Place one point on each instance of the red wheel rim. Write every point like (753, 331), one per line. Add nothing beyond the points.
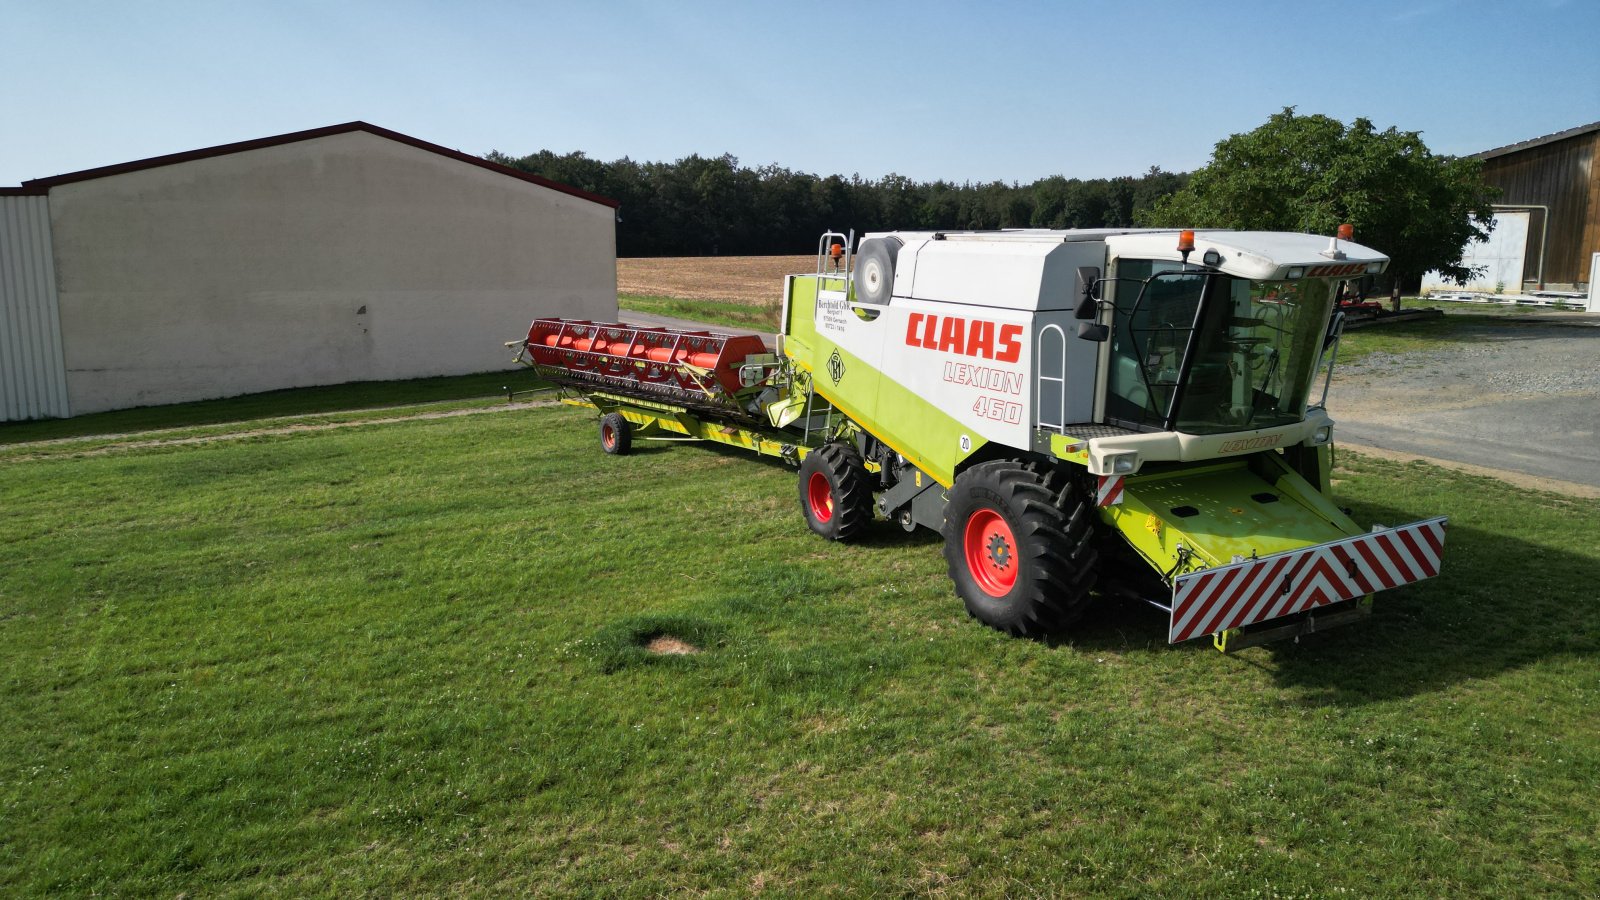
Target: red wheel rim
(820, 495)
(608, 436)
(991, 552)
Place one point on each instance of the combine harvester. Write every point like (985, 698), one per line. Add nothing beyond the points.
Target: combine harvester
(1078, 413)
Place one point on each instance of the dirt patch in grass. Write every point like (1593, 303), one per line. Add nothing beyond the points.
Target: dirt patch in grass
(753, 280)
(667, 645)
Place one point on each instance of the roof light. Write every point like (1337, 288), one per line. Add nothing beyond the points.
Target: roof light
(1347, 232)
(1374, 268)
(1212, 258)
(1297, 272)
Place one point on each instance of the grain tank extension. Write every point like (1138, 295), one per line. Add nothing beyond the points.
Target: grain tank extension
(1078, 413)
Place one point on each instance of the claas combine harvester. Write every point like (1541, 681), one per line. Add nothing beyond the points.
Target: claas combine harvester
(1078, 413)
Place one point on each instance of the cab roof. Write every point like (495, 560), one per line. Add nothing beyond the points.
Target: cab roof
(1256, 255)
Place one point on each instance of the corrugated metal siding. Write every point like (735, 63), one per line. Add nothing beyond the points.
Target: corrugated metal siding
(1562, 176)
(33, 376)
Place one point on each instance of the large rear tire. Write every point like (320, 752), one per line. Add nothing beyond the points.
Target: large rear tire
(835, 495)
(1020, 547)
(616, 434)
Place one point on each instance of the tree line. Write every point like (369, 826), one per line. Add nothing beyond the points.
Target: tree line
(699, 205)
(1300, 173)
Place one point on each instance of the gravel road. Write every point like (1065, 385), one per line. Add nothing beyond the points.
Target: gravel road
(1521, 396)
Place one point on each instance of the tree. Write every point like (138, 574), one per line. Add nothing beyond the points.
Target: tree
(700, 205)
(1312, 173)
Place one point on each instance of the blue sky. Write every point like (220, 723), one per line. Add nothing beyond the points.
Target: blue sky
(961, 91)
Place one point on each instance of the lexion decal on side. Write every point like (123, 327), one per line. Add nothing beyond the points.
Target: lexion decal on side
(983, 377)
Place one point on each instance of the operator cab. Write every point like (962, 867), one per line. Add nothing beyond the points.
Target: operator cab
(1205, 348)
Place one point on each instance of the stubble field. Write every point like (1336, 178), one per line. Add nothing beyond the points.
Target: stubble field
(747, 280)
(736, 291)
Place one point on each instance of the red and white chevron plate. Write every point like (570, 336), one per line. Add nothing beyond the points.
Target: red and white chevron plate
(1256, 590)
(1109, 491)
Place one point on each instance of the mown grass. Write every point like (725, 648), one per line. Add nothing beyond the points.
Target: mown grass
(330, 403)
(404, 659)
(1422, 335)
(714, 312)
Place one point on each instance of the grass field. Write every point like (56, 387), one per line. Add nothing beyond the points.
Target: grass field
(407, 658)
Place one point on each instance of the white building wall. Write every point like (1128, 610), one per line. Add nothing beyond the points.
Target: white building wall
(343, 258)
(33, 379)
(1502, 258)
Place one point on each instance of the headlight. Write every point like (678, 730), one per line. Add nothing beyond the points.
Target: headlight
(1322, 435)
(1124, 463)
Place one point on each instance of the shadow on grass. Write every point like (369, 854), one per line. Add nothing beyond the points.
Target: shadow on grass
(884, 534)
(1498, 604)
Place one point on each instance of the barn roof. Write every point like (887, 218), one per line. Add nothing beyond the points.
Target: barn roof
(43, 185)
(1538, 141)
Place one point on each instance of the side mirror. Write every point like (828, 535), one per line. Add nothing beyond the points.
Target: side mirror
(1088, 281)
(1091, 331)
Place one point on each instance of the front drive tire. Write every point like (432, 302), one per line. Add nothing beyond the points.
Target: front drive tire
(835, 495)
(1020, 546)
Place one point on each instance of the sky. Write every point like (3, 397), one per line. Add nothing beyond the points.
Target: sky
(960, 91)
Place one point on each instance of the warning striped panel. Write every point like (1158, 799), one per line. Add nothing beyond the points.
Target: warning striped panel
(1271, 587)
(1110, 490)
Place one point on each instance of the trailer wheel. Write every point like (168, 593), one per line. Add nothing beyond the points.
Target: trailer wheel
(835, 496)
(616, 434)
(1020, 547)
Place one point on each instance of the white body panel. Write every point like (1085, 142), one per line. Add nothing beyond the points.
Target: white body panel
(1027, 280)
(1036, 269)
(989, 390)
(1003, 274)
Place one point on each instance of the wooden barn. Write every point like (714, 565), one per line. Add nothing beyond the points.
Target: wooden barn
(1550, 206)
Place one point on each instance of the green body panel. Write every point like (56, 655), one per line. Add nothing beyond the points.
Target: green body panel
(918, 430)
(1227, 519)
(661, 421)
(1069, 448)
